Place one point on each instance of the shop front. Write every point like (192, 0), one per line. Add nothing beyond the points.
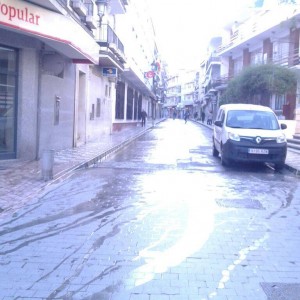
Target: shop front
(40, 79)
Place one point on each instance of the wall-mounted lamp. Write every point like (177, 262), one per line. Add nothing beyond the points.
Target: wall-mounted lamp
(101, 7)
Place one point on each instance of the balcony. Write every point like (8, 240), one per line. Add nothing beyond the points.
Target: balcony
(79, 7)
(111, 46)
(110, 40)
(290, 59)
(260, 26)
(213, 59)
(91, 17)
(220, 82)
(91, 21)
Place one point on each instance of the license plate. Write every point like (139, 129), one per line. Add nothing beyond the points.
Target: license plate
(258, 151)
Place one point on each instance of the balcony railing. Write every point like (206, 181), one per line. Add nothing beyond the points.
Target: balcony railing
(220, 81)
(212, 59)
(108, 38)
(288, 58)
(258, 24)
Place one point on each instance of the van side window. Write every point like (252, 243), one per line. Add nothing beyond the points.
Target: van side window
(223, 116)
(220, 115)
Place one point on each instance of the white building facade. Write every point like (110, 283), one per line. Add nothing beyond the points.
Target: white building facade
(60, 75)
(269, 35)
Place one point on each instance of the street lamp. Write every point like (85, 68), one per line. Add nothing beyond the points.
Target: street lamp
(101, 7)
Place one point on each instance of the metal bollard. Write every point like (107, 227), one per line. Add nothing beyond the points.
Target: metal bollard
(47, 164)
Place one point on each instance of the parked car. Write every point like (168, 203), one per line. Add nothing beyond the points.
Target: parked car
(249, 133)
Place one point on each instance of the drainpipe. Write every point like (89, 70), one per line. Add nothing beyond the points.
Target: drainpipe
(75, 106)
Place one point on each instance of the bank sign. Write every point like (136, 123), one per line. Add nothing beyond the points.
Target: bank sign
(47, 25)
(13, 13)
(109, 72)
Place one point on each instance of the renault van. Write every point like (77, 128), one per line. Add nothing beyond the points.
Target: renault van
(249, 133)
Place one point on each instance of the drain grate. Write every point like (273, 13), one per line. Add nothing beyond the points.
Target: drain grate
(240, 203)
(281, 291)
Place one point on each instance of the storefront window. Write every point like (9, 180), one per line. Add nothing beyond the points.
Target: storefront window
(8, 92)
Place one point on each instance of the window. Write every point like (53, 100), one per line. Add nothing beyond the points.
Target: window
(238, 65)
(280, 52)
(256, 57)
(279, 101)
(251, 119)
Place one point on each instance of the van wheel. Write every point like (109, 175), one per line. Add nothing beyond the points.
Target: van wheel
(215, 152)
(279, 166)
(224, 162)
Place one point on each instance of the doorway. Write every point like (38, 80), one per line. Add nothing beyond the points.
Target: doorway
(80, 133)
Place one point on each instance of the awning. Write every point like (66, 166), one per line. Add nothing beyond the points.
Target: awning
(137, 82)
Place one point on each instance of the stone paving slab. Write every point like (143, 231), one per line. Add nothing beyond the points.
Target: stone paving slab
(281, 291)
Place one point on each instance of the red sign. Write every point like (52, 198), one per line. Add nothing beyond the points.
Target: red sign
(24, 15)
(149, 74)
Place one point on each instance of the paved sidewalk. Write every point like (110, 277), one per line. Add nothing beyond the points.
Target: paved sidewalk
(21, 181)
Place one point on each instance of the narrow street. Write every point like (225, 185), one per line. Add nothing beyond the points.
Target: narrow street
(161, 219)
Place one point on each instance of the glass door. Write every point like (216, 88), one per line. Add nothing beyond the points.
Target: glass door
(8, 102)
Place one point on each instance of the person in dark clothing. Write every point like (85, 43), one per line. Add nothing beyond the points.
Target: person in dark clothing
(186, 116)
(202, 116)
(144, 116)
(209, 118)
(174, 115)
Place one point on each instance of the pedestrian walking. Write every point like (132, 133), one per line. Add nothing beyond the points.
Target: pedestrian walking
(174, 115)
(209, 118)
(186, 115)
(144, 116)
(203, 116)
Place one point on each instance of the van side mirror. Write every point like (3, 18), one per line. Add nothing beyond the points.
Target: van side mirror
(218, 123)
(283, 126)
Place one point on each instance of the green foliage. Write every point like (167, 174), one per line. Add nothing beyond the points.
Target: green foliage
(259, 80)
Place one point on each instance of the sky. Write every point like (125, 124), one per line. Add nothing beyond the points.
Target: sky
(184, 27)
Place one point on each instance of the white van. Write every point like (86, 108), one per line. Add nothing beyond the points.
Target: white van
(249, 133)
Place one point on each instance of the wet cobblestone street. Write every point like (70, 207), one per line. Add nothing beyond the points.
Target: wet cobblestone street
(161, 219)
